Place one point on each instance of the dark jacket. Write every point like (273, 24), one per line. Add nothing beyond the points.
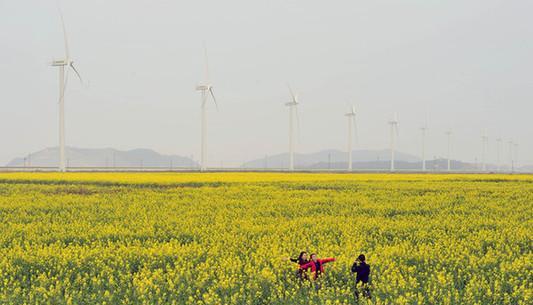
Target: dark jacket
(300, 261)
(362, 271)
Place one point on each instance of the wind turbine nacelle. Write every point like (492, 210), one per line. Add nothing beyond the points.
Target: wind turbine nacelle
(202, 87)
(58, 63)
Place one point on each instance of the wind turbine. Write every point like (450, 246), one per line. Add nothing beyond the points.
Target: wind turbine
(484, 142)
(293, 111)
(511, 164)
(424, 129)
(67, 63)
(393, 135)
(206, 90)
(498, 152)
(516, 155)
(351, 126)
(449, 135)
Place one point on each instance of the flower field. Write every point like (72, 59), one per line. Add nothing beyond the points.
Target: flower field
(223, 238)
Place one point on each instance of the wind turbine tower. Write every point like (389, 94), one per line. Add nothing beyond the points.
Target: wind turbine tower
(498, 153)
(206, 90)
(424, 130)
(393, 135)
(516, 155)
(62, 64)
(449, 136)
(484, 142)
(293, 114)
(351, 127)
(511, 161)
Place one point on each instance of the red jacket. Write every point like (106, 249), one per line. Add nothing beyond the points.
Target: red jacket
(321, 263)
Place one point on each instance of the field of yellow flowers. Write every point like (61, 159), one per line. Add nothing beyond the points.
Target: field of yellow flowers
(222, 238)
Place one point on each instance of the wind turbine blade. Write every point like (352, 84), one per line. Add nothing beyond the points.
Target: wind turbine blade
(396, 124)
(213, 96)
(65, 82)
(67, 53)
(76, 71)
(292, 93)
(297, 123)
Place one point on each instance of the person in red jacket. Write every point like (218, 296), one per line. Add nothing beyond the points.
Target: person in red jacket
(316, 265)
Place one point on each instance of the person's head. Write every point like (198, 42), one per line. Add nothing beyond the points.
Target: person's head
(361, 258)
(302, 256)
(314, 257)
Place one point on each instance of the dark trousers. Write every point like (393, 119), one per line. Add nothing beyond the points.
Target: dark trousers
(302, 275)
(362, 289)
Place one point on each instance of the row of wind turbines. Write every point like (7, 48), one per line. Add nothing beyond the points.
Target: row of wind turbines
(205, 88)
(513, 148)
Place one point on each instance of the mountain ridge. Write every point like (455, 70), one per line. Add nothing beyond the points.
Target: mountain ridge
(103, 157)
(328, 156)
(325, 159)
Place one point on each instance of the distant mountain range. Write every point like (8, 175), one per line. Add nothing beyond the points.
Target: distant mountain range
(431, 165)
(365, 160)
(105, 157)
(333, 158)
(526, 169)
(326, 159)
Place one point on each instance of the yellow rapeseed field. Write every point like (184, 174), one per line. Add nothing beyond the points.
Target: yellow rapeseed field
(222, 238)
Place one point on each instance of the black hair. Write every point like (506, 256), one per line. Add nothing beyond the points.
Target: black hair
(361, 257)
(300, 257)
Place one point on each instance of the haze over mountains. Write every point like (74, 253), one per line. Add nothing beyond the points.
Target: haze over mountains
(325, 159)
(460, 71)
(105, 157)
(362, 160)
(331, 156)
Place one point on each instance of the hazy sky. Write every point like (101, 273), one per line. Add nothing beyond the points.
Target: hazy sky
(466, 63)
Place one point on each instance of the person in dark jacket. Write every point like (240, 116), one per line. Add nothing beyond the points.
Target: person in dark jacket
(301, 260)
(362, 275)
